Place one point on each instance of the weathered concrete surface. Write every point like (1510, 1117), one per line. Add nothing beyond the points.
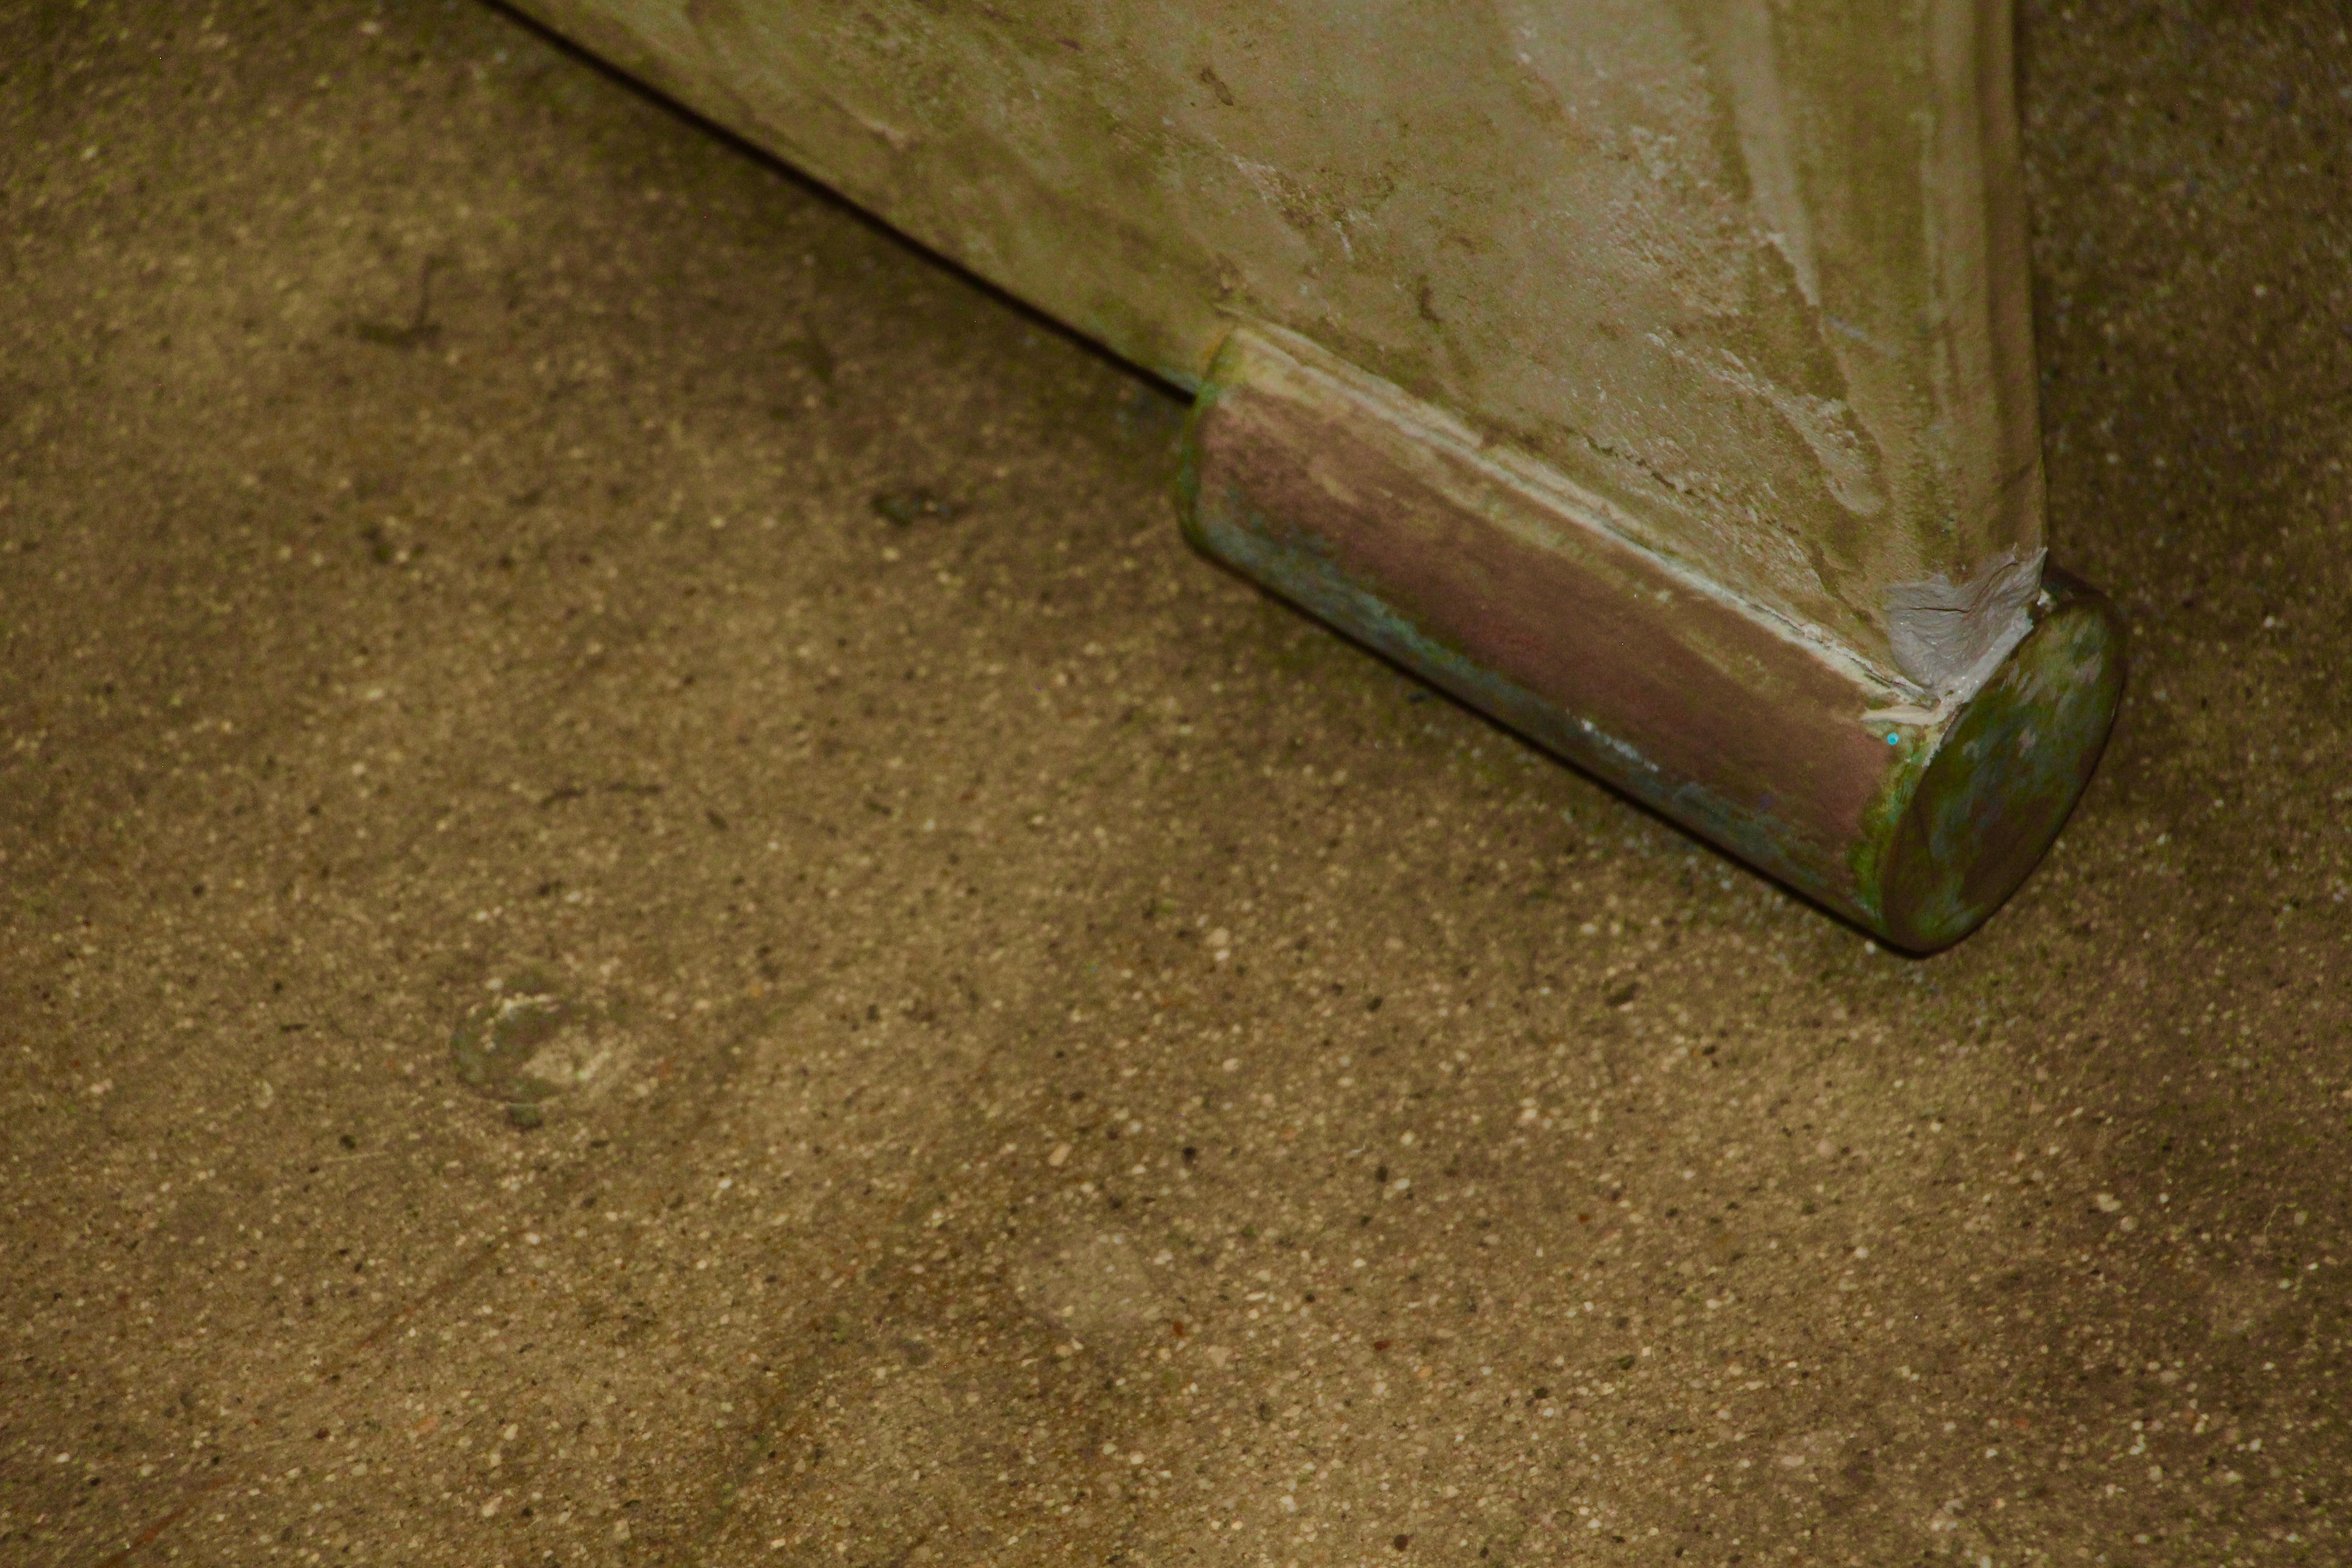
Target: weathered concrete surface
(1755, 273)
(263, 525)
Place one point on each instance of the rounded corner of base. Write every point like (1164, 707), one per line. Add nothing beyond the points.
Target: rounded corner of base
(2007, 774)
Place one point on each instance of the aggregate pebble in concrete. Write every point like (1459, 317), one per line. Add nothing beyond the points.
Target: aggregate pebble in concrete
(651, 915)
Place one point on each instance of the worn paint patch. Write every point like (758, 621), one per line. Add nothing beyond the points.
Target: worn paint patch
(533, 1044)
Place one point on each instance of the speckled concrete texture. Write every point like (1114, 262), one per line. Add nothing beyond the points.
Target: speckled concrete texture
(649, 915)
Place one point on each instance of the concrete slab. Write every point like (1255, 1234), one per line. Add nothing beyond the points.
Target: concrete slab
(651, 915)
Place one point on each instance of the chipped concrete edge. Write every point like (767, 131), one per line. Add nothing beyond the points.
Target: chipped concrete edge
(1951, 637)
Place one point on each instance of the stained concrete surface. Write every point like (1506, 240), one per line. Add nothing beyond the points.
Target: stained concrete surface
(651, 916)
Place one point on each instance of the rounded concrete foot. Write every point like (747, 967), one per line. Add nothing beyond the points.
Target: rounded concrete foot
(2005, 774)
(1913, 819)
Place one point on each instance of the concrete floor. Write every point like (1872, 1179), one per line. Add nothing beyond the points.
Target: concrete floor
(649, 914)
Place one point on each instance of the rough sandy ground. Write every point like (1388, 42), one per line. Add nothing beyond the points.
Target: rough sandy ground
(651, 916)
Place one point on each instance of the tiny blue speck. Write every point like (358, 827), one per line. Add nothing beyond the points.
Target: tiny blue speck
(1892, 739)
